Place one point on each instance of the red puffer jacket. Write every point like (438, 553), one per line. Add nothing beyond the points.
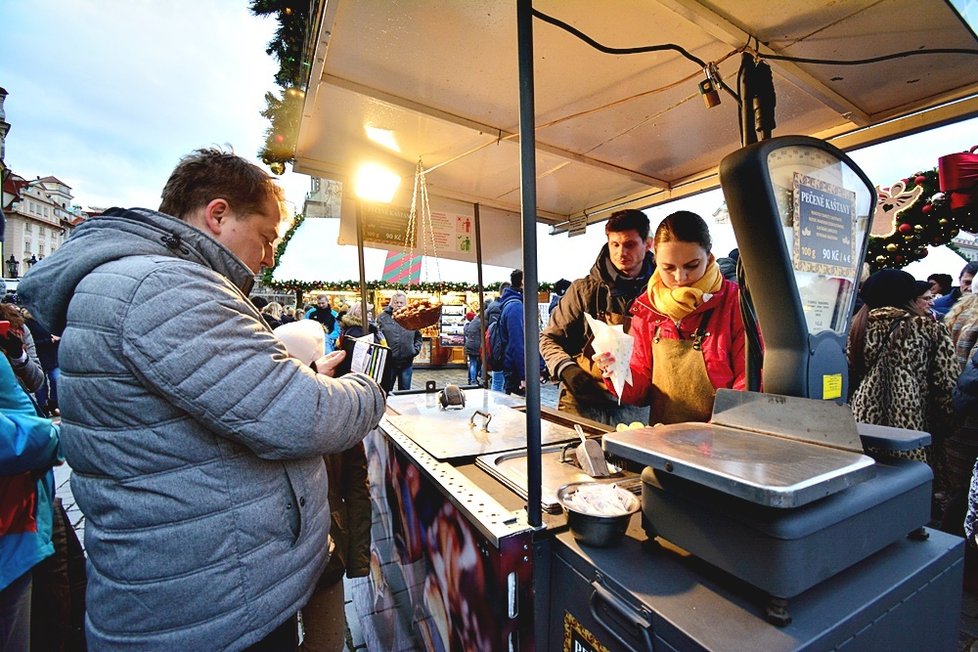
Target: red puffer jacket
(723, 348)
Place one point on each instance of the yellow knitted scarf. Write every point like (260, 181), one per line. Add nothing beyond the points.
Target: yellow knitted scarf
(679, 302)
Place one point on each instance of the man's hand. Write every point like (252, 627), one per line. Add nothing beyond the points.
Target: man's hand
(585, 389)
(604, 361)
(327, 364)
(12, 345)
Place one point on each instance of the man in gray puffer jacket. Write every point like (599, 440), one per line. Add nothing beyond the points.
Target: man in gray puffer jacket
(196, 442)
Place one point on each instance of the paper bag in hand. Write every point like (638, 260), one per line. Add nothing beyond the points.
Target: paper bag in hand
(613, 340)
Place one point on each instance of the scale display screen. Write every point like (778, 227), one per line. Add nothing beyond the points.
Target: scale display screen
(824, 208)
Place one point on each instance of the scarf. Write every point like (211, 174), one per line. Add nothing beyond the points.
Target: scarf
(679, 302)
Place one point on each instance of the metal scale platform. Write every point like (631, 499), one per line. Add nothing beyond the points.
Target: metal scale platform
(775, 491)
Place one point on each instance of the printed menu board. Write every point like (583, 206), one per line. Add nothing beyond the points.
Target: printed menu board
(385, 224)
(824, 227)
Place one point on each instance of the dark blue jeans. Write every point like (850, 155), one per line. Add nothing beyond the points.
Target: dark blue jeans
(15, 614)
(475, 369)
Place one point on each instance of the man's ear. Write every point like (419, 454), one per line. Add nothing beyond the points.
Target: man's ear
(216, 214)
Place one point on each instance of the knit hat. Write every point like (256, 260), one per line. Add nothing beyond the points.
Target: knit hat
(923, 287)
(889, 287)
(469, 316)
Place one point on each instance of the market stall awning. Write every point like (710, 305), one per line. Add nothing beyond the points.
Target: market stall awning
(437, 80)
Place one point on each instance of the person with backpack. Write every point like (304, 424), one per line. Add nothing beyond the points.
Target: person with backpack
(507, 337)
(493, 310)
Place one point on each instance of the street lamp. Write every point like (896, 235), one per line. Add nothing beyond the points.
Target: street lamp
(32, 261)
(374, 183)
(12, 264)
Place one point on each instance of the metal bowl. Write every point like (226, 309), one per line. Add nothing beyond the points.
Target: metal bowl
(593, 529)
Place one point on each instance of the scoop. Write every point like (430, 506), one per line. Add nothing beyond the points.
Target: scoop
(590, 456)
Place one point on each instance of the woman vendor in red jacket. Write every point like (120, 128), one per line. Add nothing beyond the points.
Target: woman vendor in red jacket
(689, 335)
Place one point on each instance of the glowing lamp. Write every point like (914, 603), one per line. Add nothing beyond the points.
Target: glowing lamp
(376, 183)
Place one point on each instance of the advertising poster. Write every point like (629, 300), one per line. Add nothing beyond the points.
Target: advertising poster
(386, 225)
(824, 228)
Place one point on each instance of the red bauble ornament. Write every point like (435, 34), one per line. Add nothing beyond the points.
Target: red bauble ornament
(898, 259)
(279, 138)
(926, 208)
(920, 179)
(905, 228)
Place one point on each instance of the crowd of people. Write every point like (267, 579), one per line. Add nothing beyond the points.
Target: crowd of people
(215, 439)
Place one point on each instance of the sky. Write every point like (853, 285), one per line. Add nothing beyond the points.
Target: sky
(107, 95)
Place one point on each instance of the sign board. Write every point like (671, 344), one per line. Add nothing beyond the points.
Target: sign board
(825, 228)
(452, 230)
(385, 224)
(576, 226)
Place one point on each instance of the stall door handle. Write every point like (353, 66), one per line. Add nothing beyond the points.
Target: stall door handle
(628, 615)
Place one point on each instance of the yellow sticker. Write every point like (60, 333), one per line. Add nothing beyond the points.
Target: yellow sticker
(831, 386)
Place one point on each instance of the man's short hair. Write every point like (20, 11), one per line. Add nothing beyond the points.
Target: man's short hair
(516, 278)
(628, 220)
(503, 286)
(207, 174)
(970, 268)
(944, 282)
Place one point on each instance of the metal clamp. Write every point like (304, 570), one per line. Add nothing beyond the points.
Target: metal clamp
(485, 424)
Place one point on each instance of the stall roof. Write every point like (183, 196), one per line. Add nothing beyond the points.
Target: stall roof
(395, 81)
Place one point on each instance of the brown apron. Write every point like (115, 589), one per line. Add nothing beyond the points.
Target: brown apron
(681, 389)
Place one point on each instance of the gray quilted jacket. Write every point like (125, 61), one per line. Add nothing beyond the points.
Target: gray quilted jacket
(195, 440)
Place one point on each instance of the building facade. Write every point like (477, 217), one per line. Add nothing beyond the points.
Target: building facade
(39, 215)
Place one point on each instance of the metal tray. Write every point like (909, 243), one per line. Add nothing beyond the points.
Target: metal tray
(763, 469)
(557, 470)
(447, 434)
(427, 402)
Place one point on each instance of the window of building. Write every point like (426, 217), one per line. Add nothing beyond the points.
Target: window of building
(28, 227)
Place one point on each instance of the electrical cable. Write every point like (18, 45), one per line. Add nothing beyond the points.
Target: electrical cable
(773, 57)
(556, 22)
(861, 62)
(754, 348)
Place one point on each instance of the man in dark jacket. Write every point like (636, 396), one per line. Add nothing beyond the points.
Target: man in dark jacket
(511, 330)
(195, 439)
(620, 274)
(323, 313)
(404, 345)
(493, 310)
(943, 304)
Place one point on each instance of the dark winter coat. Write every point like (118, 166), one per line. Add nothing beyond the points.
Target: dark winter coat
(404, 344)
(511, 326)
(473, 336)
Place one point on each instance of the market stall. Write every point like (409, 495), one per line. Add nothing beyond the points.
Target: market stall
(468, 555)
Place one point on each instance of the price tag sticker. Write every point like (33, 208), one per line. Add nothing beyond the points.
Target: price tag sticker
(831, 386)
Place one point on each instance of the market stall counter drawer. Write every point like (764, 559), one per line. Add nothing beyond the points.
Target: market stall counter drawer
(640, 596)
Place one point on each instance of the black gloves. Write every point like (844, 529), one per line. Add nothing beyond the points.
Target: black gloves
(12, 345)
(585, 388)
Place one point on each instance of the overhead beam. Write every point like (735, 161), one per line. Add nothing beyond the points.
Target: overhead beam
(736, 36)
(501, 134)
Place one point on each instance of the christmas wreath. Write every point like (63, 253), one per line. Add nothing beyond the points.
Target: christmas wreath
(927, 208)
